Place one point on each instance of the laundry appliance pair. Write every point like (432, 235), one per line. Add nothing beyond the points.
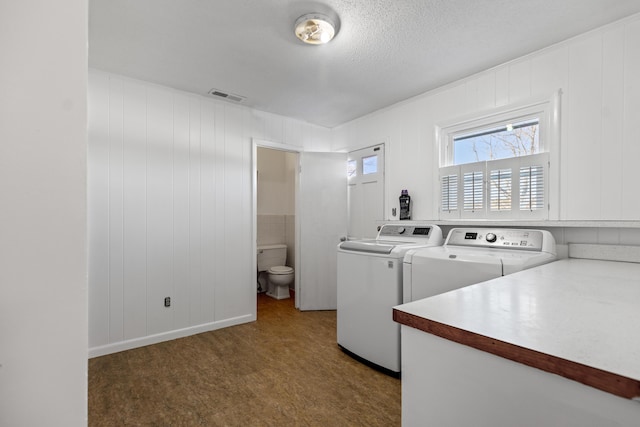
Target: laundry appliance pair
(409, 262)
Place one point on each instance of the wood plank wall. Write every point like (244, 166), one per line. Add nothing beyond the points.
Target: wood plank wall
(170, 193)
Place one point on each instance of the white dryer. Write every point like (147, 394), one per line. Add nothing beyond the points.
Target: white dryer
(370, 285)
(473, 255)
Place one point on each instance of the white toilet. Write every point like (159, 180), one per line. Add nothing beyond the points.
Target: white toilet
(272, 259)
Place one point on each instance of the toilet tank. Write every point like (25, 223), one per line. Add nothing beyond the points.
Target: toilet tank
(271, 256)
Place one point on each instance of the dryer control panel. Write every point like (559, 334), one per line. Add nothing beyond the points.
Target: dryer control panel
(503, 238)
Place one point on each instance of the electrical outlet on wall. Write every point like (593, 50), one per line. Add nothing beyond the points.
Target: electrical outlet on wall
(167, 302)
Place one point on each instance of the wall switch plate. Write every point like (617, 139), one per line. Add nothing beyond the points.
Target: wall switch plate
(167, 302)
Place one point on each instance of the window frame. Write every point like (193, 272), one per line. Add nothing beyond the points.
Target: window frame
(547, 111)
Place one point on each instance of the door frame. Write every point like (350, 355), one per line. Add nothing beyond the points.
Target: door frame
(255, 143)
(386, 203)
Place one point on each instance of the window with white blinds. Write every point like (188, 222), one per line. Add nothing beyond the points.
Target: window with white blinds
(508, 188)
(497, 165)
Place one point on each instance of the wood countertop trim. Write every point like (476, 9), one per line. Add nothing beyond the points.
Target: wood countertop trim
(603, 380)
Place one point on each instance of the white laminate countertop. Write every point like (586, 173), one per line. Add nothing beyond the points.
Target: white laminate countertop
(583, 311)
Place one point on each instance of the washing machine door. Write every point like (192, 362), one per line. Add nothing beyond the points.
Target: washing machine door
(438, 270)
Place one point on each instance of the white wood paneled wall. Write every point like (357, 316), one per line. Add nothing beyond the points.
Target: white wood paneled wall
(599, 74)
(170, 193)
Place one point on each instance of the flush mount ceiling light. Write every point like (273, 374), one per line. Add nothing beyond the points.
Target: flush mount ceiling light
(315, 28)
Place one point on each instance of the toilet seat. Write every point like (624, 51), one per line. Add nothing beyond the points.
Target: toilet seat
(280, 269)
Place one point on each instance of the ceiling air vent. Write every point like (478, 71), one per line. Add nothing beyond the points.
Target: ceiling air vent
(224, 95)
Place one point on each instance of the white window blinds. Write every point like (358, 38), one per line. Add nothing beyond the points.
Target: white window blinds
(532, 188)
(500, 185)
(449, 192)
(514, 188)
(473, 191)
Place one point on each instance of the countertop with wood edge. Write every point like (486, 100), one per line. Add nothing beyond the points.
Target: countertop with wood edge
(576, 318)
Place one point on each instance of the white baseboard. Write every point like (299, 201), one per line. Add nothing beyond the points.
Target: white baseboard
(168, 336)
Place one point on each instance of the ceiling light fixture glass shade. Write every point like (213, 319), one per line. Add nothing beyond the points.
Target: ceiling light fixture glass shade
(315, 28)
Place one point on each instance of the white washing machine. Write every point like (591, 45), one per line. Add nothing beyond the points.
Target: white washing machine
(473, 255)
(370, 285)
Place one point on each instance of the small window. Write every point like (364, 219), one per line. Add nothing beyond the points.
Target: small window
(352, 168)
(369, 165)
(497, 165)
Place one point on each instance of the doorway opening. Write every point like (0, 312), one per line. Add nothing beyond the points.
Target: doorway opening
(276, 183)
(320, 221)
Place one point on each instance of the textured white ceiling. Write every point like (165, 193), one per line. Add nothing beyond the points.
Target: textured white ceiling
(385, 51)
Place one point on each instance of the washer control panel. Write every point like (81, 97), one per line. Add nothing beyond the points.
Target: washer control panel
(502, 238)
(392, 230)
